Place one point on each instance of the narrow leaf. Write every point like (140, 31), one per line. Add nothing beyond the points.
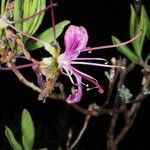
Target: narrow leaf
(26, 12)
(2, 24)
(2, 10)
(47, 36)
(38, 20)
(126, 51)
(18, 13)
(11, 138)
(3, 2)
(133, 28)
(133, 22)
(147, 22)
(33, 10)
(140, 41)
(28, 132)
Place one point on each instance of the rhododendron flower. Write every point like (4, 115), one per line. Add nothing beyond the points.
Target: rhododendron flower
(76, 39)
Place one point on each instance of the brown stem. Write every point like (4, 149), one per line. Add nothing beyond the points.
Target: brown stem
(25, 51)
(128, 124)
(25, 81)
(131, 114)
(111, 145)
(111, 86)
(87, 119)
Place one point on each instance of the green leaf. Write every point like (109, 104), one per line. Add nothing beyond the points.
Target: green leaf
(26, 13)
(2, 9)
(2, 24)
(18, 13)
(13, 142)
(147, 22)
(133, 22)
(38, 20)
(136, 27)
(47, 36)
(34, 8)
(31, 25)
(140, 41)
(28, 132)
(126, 51)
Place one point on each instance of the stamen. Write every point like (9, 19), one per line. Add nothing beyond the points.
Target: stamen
(86, 85)
(69, 75)
(44, 100)
(114, 46)
(37, 13)
(88, 89)
(97, 59)
(95, 64)
(89, 78)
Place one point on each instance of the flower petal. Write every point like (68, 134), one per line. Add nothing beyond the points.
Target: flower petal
(77, 94)
(89, 78)
(76, 38)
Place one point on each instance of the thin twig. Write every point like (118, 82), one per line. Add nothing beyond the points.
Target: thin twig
(111, 87)
(111, 144)
(132, 113)
(26, 82)
(87, 119)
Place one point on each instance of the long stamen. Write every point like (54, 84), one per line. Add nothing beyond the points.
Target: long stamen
(88, 89)
(88, 78)
(96, 64)
(17, 67)
(114, 46)
(36, 14)
(86, 85)
(70, 77)
(97, 59)
(22, 32)
(67, 73)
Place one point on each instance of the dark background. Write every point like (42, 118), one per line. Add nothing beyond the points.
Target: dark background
(101, 18)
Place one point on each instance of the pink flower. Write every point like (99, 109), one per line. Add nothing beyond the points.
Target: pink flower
(76, 39)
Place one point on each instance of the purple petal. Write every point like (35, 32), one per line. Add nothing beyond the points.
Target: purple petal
(76, 38)
(89, 78)
(76, 96)
(39, 75)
